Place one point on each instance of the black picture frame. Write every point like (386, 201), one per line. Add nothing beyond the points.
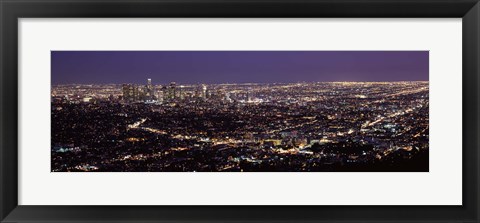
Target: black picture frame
(12, 10)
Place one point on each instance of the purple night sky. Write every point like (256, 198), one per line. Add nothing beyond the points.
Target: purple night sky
(209, 67)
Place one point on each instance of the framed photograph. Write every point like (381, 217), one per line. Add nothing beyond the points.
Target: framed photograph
(228, 111)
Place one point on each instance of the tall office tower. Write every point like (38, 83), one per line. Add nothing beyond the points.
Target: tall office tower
(181, 92)
(124, 91)
(139, 93)
(129, 92)
(249, 95)
(204, 91)
(149, 92)
(165, 93)
(172, 91)
(160, 95)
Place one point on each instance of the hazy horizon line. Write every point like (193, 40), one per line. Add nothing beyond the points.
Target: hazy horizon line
(247, 83)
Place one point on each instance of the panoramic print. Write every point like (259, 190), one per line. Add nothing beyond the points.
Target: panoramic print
(240, 111)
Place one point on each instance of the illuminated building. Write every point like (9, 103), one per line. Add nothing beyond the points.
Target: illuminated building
(129, 92)
(204, 91)
(165, 93)
(172, 91)
(149, 93)
(181, 92)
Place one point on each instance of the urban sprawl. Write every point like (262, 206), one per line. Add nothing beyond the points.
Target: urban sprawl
(251, 127)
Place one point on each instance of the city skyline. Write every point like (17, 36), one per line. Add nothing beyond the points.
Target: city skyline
(224, 67)
(318, 127)
(156, 84)
(240, 111)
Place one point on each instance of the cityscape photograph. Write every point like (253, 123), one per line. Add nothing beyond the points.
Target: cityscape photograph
(239, 111)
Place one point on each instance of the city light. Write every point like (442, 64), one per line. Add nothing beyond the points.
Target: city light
(307, 126)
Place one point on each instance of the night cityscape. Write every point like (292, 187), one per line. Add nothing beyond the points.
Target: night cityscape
(241, 123)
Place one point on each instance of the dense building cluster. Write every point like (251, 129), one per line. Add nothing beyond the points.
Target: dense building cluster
(134, 93)
(336, 126)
